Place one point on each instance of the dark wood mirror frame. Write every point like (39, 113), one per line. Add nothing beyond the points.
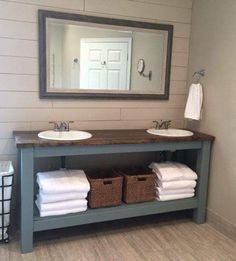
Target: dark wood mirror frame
(43, 93)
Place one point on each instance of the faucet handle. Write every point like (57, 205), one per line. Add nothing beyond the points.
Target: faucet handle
(68, 125)
(56, 126)
(167, 124)
(157, 124)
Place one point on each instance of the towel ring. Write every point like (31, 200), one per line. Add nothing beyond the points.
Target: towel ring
(199, 75)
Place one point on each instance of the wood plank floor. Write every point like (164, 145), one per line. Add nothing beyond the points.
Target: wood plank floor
(149, 238)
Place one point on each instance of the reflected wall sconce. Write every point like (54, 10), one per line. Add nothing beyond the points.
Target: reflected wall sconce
(76, 60)
(141, 68)
(76, 63)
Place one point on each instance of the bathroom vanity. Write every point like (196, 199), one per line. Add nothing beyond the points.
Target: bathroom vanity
(30, 147)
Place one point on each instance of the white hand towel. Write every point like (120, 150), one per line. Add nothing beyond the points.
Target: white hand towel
(63, 181)
(168, 171)
(61, 212)
(194, 102)
(161, 191)
(69, 204)
(174, 196)
(51, 198)
(179, 184)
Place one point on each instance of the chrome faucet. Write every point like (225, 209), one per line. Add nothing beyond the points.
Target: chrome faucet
(61, 126)
(162, 124)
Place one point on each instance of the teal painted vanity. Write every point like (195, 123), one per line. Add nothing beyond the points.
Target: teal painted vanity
(30, 147)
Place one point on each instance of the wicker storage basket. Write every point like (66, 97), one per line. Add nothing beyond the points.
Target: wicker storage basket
(138, 185)
(105, 189)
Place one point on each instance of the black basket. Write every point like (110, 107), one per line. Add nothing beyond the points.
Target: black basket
(5, 207)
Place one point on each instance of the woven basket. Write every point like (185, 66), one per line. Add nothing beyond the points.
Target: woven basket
(105, 189)
(138, 185)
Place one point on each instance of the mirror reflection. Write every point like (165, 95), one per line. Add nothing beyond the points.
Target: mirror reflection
(102, 58)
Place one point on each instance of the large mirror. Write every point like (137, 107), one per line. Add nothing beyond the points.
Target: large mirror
(95, 57)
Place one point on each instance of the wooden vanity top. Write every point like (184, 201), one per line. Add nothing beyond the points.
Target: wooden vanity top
(29, 139)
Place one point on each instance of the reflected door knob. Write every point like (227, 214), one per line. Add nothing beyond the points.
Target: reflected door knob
(103, 63)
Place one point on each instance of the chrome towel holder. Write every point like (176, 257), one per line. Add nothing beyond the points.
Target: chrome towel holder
(199, 74)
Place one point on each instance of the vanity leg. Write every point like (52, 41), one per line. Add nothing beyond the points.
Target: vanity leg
(203, 159)
(27, 189)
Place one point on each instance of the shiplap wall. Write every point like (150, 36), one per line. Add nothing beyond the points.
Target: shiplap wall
(20, 107)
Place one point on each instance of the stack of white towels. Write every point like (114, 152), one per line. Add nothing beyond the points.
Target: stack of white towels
(173, 180)
(62, 192)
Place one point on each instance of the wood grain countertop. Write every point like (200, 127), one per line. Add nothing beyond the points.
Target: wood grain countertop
(29, 139)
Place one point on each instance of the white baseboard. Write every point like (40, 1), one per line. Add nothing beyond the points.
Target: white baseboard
(221, 225)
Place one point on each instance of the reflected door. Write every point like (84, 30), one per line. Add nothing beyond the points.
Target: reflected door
(105, 63)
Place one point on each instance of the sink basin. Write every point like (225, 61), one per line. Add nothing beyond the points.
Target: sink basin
(171, 132)
(64, 135)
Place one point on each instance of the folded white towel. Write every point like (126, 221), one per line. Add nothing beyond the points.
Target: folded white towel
(168, 171)
(161, 191)
(174, 196)
(179, 184)
(57, 197)
(63, 181)
(187, 172)
(68, 204)
(194, 102)
(61, 212)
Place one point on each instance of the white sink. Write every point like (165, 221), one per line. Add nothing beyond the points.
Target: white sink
(64, 135)
(171, 132)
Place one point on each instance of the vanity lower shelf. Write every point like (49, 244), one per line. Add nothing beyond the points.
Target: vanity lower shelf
(112, 213)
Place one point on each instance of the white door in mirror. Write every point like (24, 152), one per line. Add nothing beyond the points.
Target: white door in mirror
(64, 135)
(170, 132)
(105, 63)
